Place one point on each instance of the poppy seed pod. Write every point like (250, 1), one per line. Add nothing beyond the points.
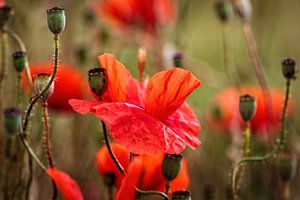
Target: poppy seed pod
(287, 166)
(223, 10)
(20, 60)
(97, 81)
(181, 195)
(171, 166)
(177, 59)
(56, 20)
(109, 179)
(247, 107)
(12, 120)
(40, 82)
(289, 68)
(5, 15)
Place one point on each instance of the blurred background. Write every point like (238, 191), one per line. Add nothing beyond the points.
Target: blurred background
(197, 34)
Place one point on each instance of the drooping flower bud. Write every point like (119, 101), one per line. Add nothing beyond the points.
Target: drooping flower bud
(109, 179)
(56, 20)
(12, 120)
(247, 107)
(6, 13)
(223, 10)
(243, 9)
(287, 165)
(171, 166)
(177, 59)
(97, 81)
(20, 60)
(289, 68)
(142, 55)
(181, 195)
(40, 82)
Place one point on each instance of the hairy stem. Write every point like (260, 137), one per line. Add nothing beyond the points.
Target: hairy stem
(153, 193)
(168, 186)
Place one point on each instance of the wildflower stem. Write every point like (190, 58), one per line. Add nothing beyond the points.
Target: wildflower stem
(225, 49)
(18, 85)
(8, 152)
(168, 186)
(18, 40)
(47, 145)
(152, 193)
(111, 153)
(30, 177)
(283, 132)
(246, 147)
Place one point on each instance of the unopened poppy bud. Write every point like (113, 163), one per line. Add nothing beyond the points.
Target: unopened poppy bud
(247, 107)
(243, 9)
(109, 179)
(171, 166)
(181, 195)
(56, 20)
(142, 55)
(97, 81)
(6, 13)
(223, 10)
(40, 82)
(289, 68)
(12, 120)
(20, 60)
(177, 59)
(287, 165)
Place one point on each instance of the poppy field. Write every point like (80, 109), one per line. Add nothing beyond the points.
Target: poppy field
(149, 99)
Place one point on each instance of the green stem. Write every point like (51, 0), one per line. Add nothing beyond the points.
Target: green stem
(168, 186)
(111, 153)
(246, 147)
(30, 177)
(18, 91)
(153, 193)
(8, 152)
(283, 133)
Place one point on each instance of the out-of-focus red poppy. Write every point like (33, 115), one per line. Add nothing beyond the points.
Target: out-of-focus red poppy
(69, 83)
(65, 184)
(146, 120)
(145, 173)
(2, 3)
(225, 116)
(106, 165)
(147, 15)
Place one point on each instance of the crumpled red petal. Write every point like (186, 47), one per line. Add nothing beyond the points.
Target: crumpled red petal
(117, 77)
(133, 128)
(83, 106)
(185, 123)
(167, 90)
(131, 180)
(65, 184)
(106, 165)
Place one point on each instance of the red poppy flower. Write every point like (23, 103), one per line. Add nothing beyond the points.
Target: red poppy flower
(145, 173)
(148, 15)
(65, 184)
(106, 165)
(69, 83)
(154, 119)
(226, 117)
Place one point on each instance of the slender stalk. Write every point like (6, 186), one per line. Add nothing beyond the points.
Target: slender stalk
(3, 57)
(110, 193)
(153, 193)
(225, 51)
(8, 152)
(18, 40)
(110, 151)
(30, 177)
(18, 86)
(283, 132)
(285, 191)
(168, 186)
(47, 144)
(246, 146)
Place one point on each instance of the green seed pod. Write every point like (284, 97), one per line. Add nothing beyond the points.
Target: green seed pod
(56, 20)
(171, 166)
(289, 68)
(20, 60)
(97, 81)
(181, 195)
(223, 10)
(177, 60)
(40, 82)
(287, 165)
(247, 107)
(12, 120)
(6, 12)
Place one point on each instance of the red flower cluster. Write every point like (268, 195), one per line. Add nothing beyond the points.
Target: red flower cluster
(65, 184)
(152, 119)
(69, 83)
(225, 114)
(148, 15)
(144, 172)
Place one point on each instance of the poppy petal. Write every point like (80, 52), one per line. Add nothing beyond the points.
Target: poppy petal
(167, 90)
(133, 128)
(65, 184)
(82, 106)
(135, 92)
(184, 122)
(117, 77)
(131, 180)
